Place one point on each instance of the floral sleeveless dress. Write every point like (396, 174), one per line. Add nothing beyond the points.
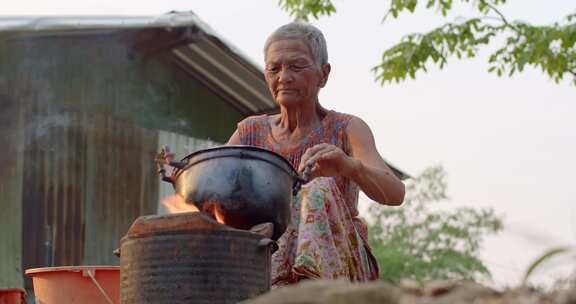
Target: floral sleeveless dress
(325, 238)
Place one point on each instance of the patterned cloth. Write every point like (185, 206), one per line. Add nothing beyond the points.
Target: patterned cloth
(325, 238)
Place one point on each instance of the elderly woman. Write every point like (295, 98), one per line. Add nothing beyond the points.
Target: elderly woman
(325, 238)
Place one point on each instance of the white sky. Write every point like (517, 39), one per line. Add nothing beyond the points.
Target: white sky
(505, 143)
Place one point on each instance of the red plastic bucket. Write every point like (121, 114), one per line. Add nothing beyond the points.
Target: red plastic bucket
(76, 284)
(12, 296)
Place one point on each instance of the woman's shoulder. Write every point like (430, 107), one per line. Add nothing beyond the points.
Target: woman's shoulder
(353, 125)
(254, 120)
(343, 126)
(340, 120)
(253, 129)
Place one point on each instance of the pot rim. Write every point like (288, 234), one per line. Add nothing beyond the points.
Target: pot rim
(293, 173)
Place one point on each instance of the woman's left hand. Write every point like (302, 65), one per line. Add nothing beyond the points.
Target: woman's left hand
(326, 160)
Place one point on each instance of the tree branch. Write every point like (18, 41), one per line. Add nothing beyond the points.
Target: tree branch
(386, 15)
(504, 20)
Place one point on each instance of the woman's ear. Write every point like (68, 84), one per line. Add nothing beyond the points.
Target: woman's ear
(326, 68)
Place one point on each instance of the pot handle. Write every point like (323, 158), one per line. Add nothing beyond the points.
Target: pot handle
(268, 243)
(164, 157)
(301, 180)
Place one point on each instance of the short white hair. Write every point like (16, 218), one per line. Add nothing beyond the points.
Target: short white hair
(309, 34)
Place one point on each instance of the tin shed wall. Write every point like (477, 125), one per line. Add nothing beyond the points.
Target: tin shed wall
(89, 110)
(11, 141)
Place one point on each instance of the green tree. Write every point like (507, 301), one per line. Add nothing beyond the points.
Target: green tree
(552, 48)
(419, 241)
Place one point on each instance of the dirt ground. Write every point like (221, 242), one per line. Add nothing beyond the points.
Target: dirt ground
(343, 292)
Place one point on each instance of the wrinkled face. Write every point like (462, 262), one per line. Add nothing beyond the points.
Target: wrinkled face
(291, 73)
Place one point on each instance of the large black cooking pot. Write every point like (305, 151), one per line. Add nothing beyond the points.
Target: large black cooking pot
(249, 184)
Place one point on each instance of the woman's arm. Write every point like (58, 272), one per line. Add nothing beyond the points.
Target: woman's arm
(234, 139)
(364, 166)
(370, 172)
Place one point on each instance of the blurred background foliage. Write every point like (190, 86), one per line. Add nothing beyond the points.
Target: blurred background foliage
(420, 241)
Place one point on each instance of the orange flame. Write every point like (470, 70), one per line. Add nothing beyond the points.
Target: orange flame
(214, 209)
(176, 204)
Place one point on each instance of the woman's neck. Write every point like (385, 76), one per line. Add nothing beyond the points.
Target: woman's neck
(300, 118)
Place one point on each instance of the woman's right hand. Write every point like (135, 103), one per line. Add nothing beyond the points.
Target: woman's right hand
(325, 160)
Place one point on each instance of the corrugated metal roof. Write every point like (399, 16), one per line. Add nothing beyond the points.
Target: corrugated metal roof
(206, 55)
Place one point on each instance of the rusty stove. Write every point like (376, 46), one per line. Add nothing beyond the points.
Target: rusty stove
(191, 258)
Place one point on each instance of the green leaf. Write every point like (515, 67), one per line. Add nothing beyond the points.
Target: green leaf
(411, 5)
(550, 253)
(303, 9)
